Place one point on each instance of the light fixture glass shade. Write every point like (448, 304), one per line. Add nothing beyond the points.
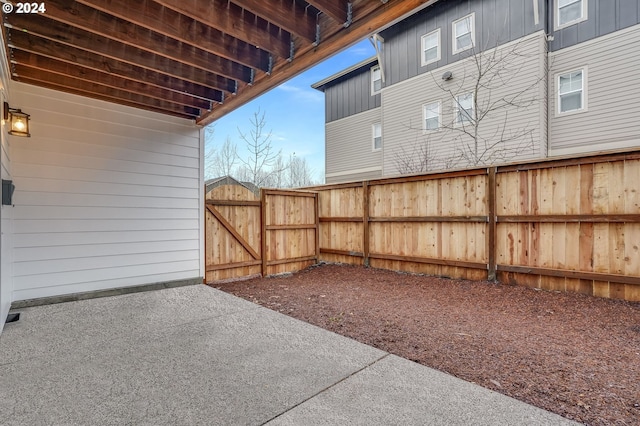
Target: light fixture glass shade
(19, 123)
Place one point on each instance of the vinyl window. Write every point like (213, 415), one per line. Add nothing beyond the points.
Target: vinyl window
(464, 33)
(376, 79)
(431, 114)
(377, 136)
(431, 47)
(571, 91)
(464, 108)
(570, 12)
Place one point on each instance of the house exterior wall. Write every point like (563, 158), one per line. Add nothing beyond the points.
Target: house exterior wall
(350, 96)
(6, 212)
(497, 22)
(611, 118)
(349, 148)
(603, 17)
(107, 196)
(524, 72)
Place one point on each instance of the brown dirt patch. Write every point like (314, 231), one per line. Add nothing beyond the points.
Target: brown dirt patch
(575, 355)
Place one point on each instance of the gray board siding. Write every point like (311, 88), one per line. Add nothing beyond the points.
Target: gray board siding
(496, 22)
(603, 17)
(350, 96)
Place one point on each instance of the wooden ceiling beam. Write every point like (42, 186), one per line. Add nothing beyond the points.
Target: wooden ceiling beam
(68, 84)
(335, 9)
(77, 19)
(112, 49)
(286, 14)
(20, 41)
(369, 17)
(170, 23)
(233, 21)
(47, 65)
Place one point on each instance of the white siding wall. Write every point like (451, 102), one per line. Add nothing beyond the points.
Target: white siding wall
(612, 116)
(106, 196)
(6, 212)
(524, 71)
(349, 148)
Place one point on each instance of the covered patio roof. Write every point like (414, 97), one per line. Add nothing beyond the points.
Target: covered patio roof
(196, 59)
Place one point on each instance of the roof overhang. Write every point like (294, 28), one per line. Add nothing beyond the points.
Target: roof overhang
(196, 59)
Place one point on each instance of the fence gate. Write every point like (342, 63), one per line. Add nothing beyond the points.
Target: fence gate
(247, 235)
(233, 243)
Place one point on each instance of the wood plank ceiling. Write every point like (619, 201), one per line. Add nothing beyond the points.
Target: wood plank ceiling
(196, 59)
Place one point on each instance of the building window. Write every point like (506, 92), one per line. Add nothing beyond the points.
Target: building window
(431, 47)
(377, 136)
(464, 108)
(569, 12)
(431, 116)
(464, 33)
(376, 79)
(571, 91)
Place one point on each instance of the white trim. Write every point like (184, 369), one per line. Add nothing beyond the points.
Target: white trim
(373, 136)
(371, 71)
(454, 36)
(424, 117)
(201, 218)
(354, 171)
(618, 33)
(438, 47)
(556, 92)
(599, 147)
(349, 117)
(556, 15)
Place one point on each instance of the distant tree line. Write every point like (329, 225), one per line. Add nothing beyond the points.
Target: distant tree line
(263, 166)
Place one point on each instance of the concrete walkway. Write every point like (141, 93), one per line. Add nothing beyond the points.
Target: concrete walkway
(198, 356)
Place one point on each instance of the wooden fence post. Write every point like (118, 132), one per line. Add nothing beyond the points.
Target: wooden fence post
(263, 230)
(491, 216)
(316, 199)
(365, 222)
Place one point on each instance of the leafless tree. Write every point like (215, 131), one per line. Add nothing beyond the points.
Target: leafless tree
(299, 172)
(261, 163)
(477, 112)
(223, 161)
(418, 159)
(484, 135)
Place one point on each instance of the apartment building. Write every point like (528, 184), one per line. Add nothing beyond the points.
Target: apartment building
(465, 83)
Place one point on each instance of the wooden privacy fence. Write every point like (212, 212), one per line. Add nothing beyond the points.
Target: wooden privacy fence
(248, 235)
(571, 225)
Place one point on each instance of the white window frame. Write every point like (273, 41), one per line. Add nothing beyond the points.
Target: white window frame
(424, 116)
(373, 136)
(556, 13)
(456, 110)
(373, 69)
(423, 49)
(454, 38)
(583, 98)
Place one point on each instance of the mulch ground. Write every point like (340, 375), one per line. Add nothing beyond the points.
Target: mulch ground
(574, 355)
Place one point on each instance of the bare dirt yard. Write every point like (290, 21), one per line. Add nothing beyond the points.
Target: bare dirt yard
(575, 355)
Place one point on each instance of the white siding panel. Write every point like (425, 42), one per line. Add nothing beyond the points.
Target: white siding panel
(93, 249)
(106, 196)
(612, 118)
(6, 212)
(522, 72)
(349, 144)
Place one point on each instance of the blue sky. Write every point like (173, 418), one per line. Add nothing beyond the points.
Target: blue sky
(294, 111)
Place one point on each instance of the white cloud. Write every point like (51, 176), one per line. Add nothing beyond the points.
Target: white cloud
(302, 94)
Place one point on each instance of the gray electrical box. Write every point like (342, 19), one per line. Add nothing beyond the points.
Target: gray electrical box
(7, 192)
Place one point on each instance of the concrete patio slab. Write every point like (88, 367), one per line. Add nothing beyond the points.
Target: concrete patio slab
(195, 355)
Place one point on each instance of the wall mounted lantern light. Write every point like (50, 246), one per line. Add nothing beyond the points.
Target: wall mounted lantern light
(18, 121)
